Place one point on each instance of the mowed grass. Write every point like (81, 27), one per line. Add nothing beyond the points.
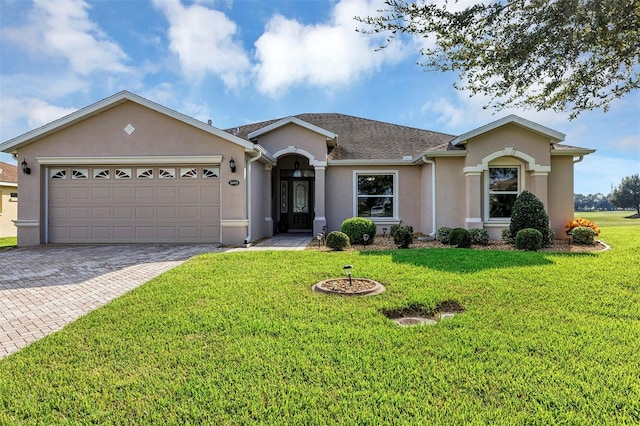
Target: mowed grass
(6, 242)
(614, 218)
(240, 338)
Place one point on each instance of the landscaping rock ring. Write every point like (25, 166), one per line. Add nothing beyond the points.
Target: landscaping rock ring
(353, 287)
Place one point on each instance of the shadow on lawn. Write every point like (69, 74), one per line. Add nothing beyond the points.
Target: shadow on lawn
(468, 261)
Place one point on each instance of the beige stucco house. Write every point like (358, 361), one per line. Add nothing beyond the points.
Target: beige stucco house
(8, 199)
(126, 169)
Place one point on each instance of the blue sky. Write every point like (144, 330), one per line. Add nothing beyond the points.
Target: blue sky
(238, 61)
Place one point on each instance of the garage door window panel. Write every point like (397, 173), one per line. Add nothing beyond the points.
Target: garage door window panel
(188, 173)
(80, 174)
(210, 173)
(167, 173)
(123, 173)
(101, 173)
(58, 173)
(144, 173)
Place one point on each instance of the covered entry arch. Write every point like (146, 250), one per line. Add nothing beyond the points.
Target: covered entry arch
(300, 191)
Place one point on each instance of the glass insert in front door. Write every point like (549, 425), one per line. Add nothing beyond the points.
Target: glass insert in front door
(301, 196)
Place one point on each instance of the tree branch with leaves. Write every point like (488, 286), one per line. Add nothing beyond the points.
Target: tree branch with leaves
(561, 55)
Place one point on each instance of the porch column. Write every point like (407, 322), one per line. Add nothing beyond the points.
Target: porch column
(319, 219)
(268, 200)
(473, 202)
(539, 187)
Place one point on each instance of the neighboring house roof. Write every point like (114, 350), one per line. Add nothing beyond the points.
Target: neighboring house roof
(8, 173)
(108, 103)
(359, 138)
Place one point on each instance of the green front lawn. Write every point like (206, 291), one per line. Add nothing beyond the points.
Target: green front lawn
(239, 338)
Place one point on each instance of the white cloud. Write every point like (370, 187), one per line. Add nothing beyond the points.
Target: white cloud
(629, 143)
(204, 41)
(322, 55)
(20, 115)
(62, 29)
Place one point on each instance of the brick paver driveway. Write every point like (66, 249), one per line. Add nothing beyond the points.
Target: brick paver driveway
(44, 288)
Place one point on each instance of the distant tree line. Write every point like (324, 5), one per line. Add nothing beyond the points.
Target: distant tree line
(625, 196)
(592, 202)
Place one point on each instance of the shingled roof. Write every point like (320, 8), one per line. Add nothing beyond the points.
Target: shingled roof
(8, 173)
(364, 139)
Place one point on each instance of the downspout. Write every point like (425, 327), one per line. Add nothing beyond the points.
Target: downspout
(433, 194)
(579, 159)
(247, 240)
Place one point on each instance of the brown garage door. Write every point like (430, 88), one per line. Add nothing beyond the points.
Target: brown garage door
(133, 204)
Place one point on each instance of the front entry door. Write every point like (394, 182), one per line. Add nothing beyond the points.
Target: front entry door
(296, 206)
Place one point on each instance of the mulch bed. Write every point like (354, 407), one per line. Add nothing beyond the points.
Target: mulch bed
(386, 243)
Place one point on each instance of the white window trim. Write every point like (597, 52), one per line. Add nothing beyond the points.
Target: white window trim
(501, 162)
(395, 197)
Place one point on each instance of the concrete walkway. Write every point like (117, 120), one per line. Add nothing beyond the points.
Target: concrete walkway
(46, 287)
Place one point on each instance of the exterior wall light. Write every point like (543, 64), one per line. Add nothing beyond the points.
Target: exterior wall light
(25, 167)
(232, 165)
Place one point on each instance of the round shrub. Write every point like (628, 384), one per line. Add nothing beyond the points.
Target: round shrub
(506, 236)
(394, 229)
(460, 238)
(442, 234)
(529, 239)
(356, 227)
(337, 240)
(479, 236)
(403, 236)
(528, 212)
(583, 235)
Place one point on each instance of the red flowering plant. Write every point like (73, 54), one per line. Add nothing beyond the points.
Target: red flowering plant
(574, 223)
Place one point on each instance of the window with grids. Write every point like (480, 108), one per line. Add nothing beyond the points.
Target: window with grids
(376, 195)
(503, 189)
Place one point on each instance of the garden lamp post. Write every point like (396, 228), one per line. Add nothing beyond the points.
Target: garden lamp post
(365, 238)
(347, 270)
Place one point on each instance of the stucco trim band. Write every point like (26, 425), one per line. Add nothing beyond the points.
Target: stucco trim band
(230, 223)
(26, 223)
(508, 152)
(140, 159)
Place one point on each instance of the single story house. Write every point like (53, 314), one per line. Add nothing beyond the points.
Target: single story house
(8, 199)
(127, 170)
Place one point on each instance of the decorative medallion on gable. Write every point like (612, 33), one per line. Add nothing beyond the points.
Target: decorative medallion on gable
(129, 129)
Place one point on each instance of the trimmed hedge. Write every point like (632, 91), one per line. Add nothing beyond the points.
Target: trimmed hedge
(479, 236)
(356, 227)
(506, 236)
(442, 234)
(460, 238)
(529, 239)
(529, 212)
(583, 235)
(337, 240)
(403, 236)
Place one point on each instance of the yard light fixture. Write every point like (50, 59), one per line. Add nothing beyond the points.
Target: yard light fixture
(365, 239)
(384, 232)
(232, 165)
(25, 167)
(347, 270)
